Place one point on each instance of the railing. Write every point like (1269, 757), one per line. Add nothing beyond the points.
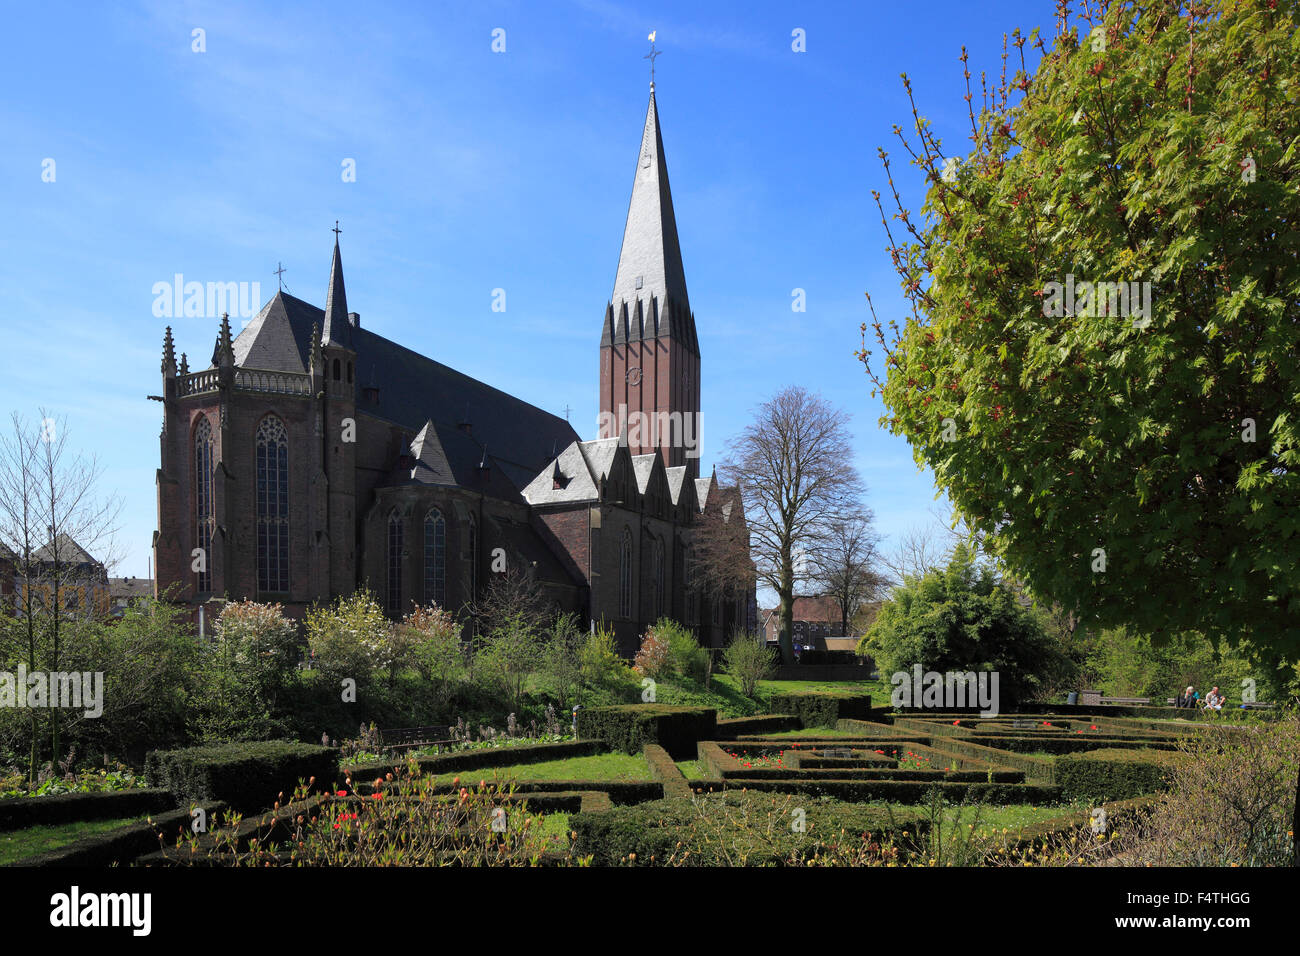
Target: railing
(197, 382)
(285, 383)
(246, 380)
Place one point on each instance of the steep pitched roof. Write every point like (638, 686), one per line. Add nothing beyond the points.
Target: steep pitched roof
(600, 456)
(676, 481)
(643, 466)
(649, 297)
(66, 550)
(413, 390)
(571, 473)
(337, 330)
(431, 464)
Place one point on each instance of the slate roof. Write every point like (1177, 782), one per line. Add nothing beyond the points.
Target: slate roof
(413, 390)
(129, 588)
(643, 466)
(337, 329)
(676, 480)
(649, 297)
(578, 483)
(66, 550)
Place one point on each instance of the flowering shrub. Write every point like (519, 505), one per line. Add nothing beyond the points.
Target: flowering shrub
(350, 638)
(652, 660)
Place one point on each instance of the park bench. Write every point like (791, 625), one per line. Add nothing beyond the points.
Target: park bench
(408, 738)
(1127, 701)
(1256, 706)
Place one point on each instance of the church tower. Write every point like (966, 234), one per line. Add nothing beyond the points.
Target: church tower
(649, 353)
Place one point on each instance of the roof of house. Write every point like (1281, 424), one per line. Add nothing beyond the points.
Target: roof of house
(119, 588)
(65, 551)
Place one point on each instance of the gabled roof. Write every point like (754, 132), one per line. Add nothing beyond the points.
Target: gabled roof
(703, 486)
(600, 456)
(643, 466)
(66, 550)
(649, 297)
(413, 390)
(676, 481)
(575, 479)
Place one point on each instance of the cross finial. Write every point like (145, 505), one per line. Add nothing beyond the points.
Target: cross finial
(279, 274)
(567, 409)
(336, 230)
(651, 57)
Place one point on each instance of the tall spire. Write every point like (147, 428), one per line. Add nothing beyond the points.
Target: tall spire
(337, 331)
(650, 263)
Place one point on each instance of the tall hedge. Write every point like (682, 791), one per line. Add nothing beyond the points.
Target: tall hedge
(249, 776)
(821, 710)
(629, 727)
(1115, 774)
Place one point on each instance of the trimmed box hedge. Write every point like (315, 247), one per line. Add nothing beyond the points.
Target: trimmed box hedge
(629, 727)
(652, 831)
(248, 776)
(663, 769)
(1119, 774)
(821, 710)
(19, 813)
(904, 791)
(764, 724)
(483, 758)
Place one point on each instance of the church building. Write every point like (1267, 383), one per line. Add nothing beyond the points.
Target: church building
(315, 456)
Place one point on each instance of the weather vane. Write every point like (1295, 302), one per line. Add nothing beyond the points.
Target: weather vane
(651, 57)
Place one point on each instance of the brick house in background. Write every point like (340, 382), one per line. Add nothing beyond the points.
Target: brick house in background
(817, 623)
(314, 456)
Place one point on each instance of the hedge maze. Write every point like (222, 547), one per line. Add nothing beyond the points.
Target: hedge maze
(834, 764)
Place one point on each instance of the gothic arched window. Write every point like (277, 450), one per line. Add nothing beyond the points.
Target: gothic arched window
(625, 576)
(435, 558)
(204, 513)
(272, 505)
(394, 562)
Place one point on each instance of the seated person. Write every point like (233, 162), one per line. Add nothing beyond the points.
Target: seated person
(1186, 698)
(1214, 700)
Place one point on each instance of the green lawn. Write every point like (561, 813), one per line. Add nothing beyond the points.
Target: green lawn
(693, 769)
(817, 732)
(17, 844)
(612, 766)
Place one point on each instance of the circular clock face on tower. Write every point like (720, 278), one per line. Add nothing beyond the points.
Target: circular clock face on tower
(634, 375)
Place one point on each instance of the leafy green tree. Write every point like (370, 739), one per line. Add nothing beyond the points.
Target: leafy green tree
(962, 619)
(749, 661)
(508, 655)
(560, 662)
(1130, 456)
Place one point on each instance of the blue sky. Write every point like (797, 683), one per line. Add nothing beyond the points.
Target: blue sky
(475, 171)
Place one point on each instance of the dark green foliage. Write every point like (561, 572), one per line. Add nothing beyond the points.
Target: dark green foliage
(17, 813)
(481, 758)
(629, 727)
(758, 830)
(905, 791)
(1161, 442)
(821, 710)
(248, 776)
(963, 619)
(1115, 774)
